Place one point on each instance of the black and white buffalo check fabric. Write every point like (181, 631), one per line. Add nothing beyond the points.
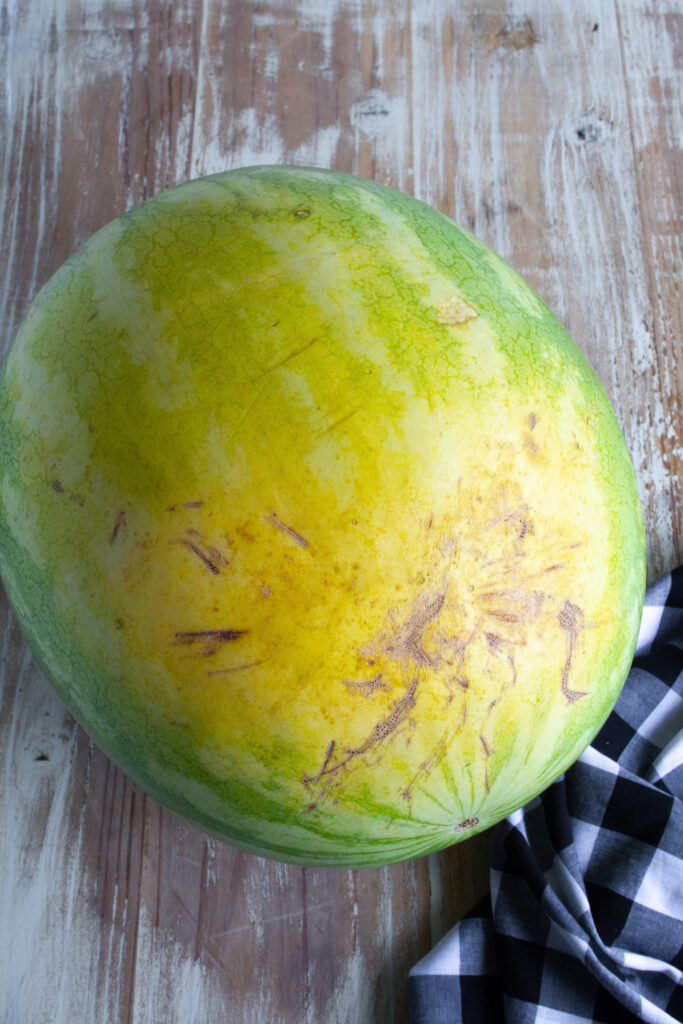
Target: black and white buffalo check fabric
(584, 923)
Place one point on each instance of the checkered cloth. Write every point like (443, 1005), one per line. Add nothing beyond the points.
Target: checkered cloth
(584, 923)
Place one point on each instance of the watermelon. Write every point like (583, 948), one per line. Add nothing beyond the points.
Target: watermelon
(316, 518)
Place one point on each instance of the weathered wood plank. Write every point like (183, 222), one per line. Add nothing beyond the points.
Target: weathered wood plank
(551, 130)
(652, 51)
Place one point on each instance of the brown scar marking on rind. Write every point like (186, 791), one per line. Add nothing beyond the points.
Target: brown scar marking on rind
(384, 728)
(504, 616)
(505, 560)
(214, 551)
(58, 486)
(516, 604)
(368, 686)
(205, 552)
(461, 652)
(283, 362)
(572, 621)
(328, 755)
(407, 642)
(221, 636)
(487, 756)
(497, 643)
(186, 504)
(525, 527)
(200, 554)
(428, 765)
(493, 595)
(532, 420)
(233, 668)
(120, 521)
(296, 537)
(308, 780)
(465, 825)
(507, 517)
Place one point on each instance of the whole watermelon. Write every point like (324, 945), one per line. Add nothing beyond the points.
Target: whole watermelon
(316, 517)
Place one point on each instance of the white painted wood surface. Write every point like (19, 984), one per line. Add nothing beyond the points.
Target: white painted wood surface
(553, 131)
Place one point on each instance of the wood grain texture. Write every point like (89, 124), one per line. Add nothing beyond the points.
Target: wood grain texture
(551, 130)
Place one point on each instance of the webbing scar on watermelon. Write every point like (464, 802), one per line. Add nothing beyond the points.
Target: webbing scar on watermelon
(316, 517)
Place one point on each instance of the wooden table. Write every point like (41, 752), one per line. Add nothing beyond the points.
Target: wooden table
(550, 129)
